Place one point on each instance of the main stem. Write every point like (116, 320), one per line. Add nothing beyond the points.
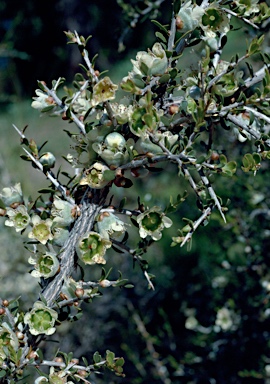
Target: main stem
(82, 225)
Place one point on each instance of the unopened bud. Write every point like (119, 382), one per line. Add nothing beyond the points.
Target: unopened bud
(20, 335)
(79, 292)
(179, 23)
(105, 283)
(173, 109)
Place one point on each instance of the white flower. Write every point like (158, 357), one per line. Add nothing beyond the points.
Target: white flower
(191, 323)
(110, 225)
(42, 100)
(11, 195)
(224, 319)
(41, 230)
(18, 218)
(81, 104)
(121, 112)
(150, 63)
(152, 222)
(63, 212)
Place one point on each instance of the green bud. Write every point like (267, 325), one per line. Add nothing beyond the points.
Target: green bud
(113, 149)
(47, 160)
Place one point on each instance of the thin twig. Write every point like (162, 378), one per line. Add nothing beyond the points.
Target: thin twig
(64, 108)
(243, 126)
(132, 252)
(172, 34)
(241, 18)
(188, 175)
(63, 365)
(229, 69)
(195, 225)
(257, 77)
(160, 368)
(95, 78)
(48, 174)
(258, 114)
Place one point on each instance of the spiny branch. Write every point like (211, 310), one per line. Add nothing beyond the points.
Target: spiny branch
(48, 174)
(64, 108)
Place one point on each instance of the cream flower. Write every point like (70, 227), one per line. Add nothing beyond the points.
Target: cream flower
(42, 100)
(152, 222)
(41, 319)
(104, 90)
(41, 230)
(18, 218)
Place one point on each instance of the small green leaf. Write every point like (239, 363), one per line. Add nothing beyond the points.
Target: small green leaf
(223, 159)
(230, 168)
(120, 283)
(129, 286)
(85, 360)
(2, 373)
(2, 205)
(47, 109)
(110, 357)
(176, 6)
(161, 27)
(164, 78)
(97, 357)
(257, 158)
(109, 175)
(161, 37)
(46, 190)
(120, 362)
(122, 203)
(25, 158)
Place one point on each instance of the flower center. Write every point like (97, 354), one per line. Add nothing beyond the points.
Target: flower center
(152, 221)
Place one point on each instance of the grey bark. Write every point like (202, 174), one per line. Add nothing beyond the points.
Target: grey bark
(83, 224)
